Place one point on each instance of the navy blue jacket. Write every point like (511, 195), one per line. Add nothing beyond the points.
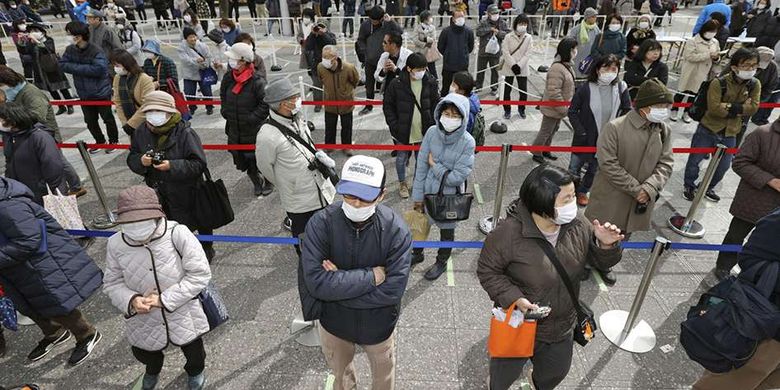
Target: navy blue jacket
(32, 158)
(89, 67)
(45, 279)
(455, 44)
(353, 307)
(581, 116)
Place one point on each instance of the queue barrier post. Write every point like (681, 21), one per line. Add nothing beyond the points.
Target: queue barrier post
(488, 223)
(309, 333)
(275, 67)
(618, 326)
(108, 220)
(687, 226)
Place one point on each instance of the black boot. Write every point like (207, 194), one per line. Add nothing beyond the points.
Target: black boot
(436, 269)
(417, 256)
(609, 278)
(61, 110)
(70, 110)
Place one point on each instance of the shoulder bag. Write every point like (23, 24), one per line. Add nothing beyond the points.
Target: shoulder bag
(212, 204)
(501, 61)
(585, 328)
(449, 207)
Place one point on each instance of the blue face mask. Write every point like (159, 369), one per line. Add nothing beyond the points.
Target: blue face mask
(10, 93)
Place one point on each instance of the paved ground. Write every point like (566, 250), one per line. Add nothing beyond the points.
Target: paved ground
(442, 332)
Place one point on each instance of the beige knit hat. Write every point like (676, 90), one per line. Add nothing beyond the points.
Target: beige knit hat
(138, 203)
(159, 101)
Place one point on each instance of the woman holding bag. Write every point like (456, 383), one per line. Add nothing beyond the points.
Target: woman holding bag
(447, 154)
(425, 41)
(196, 61)
(513, 268)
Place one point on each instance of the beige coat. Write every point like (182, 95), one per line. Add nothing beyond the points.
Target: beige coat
(143, 86)
(696, 63)
(634, 154)
(559, 86)
(515, 51)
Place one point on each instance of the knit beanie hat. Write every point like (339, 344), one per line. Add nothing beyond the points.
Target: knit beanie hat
(590, 11)
(188, 31)
(159, 101)
(216, 35)
(138, 203)
(653, 92)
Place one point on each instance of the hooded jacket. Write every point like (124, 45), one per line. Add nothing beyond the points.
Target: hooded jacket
(45, 274)
(399, 105)
(33, 159)
(89, 67)
(452, 152)
(354, 308)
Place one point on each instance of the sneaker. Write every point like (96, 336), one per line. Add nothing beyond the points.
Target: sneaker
(46, 345)
(287, 224)
(84, 349)
(521, 113)
(673, 117)
(689, 193)
(109, 151)
(149, 382)
(712, 196)
(582, 199)
(403, 190)
(549, 156)
(317, 108)
(77, 192)
(365, 110)
(507, 114)
(93, 150)
(196, 382)
(70, 110)
(209, 110)
(686, 118)
(436, 270)
(61, 110)
(530, 378)
(608, 277)
(267, 188)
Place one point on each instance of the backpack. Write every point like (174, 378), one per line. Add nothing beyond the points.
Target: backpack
(699, 107)
(123, 36)
(478, 129)
(561, 5)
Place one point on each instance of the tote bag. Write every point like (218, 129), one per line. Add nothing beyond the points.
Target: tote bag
(504, 341)
(212, 204)
(65, 209)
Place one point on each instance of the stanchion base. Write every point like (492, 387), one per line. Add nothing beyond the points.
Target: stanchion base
(103, 222)
(693, 230)
(276, 68)
(640, 340)
(309, 333)
(486, 225)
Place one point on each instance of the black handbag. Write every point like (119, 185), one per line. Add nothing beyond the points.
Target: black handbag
(585, 328)
(450, 207)
(212, 204)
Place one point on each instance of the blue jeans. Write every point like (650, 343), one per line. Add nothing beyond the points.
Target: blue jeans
(401, 160)
(190, 86)
(704, 138)
(576, 162)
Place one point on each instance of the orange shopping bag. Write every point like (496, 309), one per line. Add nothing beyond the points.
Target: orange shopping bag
(505, 341)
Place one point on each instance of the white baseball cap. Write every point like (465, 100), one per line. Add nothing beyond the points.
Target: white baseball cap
(240, 51)
(362, 177)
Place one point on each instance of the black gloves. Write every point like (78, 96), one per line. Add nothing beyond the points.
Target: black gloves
(516, 69)
(129, 130)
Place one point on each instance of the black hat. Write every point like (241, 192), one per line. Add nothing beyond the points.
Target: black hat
(188, 31)
(416, 61)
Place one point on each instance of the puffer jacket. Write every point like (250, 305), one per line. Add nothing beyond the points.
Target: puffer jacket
(243, 112)
(175, 265)
(558, 86)
(189, 56)
(44, 279)
(513, 266)
(89, 67)
(369, 40)
(37, 103)
(339, 84)
(453, 153)
(353, 307)
(515, 50)
(455, 45)
(32, 158)
(398, 105)
(756, 164)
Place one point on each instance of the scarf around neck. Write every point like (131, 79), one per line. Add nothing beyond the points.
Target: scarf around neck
(164, 130)
(242, 77)
(126, 87)
(584, 30)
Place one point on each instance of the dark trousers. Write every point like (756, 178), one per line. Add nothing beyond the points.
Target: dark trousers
(444, 253)
(252, 9)
(446, 81)
(191, 86)
(161, 15)
(74, 322)
(348, 21)
(91, 114)
(432, 69)
(576, 162)
(522, 83)
(370, 81)
(193, 352)
(317, 83)
(299, 221)
(141, 12)
(346, 128)
(738, 230)
(65, 94)
(482, 63)
(233, 5)
(551, 365)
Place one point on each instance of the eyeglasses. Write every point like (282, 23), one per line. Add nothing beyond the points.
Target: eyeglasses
(748, 66)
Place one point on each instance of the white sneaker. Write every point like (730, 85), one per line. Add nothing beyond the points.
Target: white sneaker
(22, 319)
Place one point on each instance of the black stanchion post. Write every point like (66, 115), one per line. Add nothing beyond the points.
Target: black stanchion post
(488, 223)
(108, 220)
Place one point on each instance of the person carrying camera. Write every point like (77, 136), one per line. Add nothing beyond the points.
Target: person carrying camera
(169, 155)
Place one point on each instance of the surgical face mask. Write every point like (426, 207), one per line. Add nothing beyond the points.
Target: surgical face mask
(494, 17)
(565, 213)
(521, 29)
(574, 54)
(120, 70)
(453, 89)
(298, 106)
(187, 18)
(614, 27)
(37, 35)
(429, 22)
(156, 118)
(355, 214)
(327, 63)
(22, 27)
(140, 231)
(150, 55)
(460, 22)
(658, 115)
(450, 124)
(644, 25)
(709, 35)
(418, 75)
(746, 74)
(607, 77)
(225, 29)
(232, 63)
(120, 27)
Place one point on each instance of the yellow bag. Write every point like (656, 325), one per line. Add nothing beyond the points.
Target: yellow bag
(418, 224)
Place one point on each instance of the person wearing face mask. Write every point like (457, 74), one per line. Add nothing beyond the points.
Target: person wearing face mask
(731, 101)
(408, 105)
(157, 302)
(258, 59)
(635, 159)
(424, 40)
(242, 92)
(594, 104)
(767, 74)
(339, 79)
(89, 67)
(101, 35)
(131, 85)
(319, 38)
(160, 67)
(513, 269)
(639, 34)
(585, 33)
(113, 12)
(131, 40)
(701, 51)
(614, 42)
(491, 26)
(370, 46)
(287, 163)
(719, 6)
(448, 153)
(515, 55)
(168, 154)
(190, 20)
(758, 19)
(20, 37)
(195, 56)
(353, 273)
(229, 30)
(646, 64)
(463, 84)
(456, 42)
(392, 62)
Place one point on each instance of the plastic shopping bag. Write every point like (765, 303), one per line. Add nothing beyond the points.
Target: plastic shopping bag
(492, 46)
(64, 208)
(418, 224)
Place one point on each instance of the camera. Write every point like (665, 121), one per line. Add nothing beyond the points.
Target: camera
(157, 157)
(327, 172)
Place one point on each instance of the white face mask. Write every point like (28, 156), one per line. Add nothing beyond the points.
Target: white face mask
(761, 6)
(658, 115)
(327, 63)
(232, 63)
(453, 89)
(644, 25)
(746, 74)
(156, 118)
(450, 124)
(120, 70)
(225, 29)
(521, 29)
(460, 22)
(37, 35)
(709, 35)
(607, 77)
(140, 231)
(22, 27)
(574, 54)
(150, 55)
(418, 75)
(565, 213)
(298, 106)
(187, 18)
(494, 17)
(614, 27)
(355, 214)
(120, 27)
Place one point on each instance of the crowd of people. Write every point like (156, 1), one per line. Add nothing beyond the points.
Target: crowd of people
(615, 81)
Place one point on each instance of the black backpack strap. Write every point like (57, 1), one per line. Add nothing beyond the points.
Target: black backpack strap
(550, 252)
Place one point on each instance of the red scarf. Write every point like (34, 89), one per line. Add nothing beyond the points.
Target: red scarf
(242, 77)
